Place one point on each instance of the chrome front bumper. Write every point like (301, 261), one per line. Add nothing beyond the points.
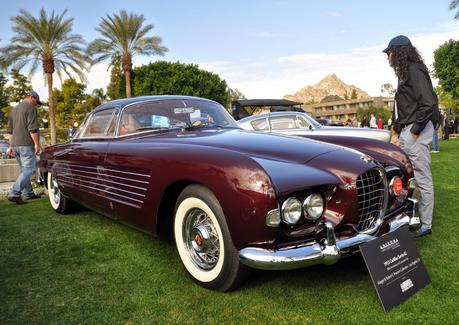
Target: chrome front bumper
(315, 253)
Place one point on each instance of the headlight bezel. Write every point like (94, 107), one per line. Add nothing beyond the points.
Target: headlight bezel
(287, 217)
(313, 206)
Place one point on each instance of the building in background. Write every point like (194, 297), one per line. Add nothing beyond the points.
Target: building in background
(342, 110)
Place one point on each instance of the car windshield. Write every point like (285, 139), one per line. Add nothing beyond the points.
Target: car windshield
(312, 121)
(173, 114)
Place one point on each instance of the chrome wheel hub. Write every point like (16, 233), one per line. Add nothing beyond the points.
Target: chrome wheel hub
(54, 190)
(201, 239)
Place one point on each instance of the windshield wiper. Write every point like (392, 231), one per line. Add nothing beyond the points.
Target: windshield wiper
(154, 128)
(203, 125)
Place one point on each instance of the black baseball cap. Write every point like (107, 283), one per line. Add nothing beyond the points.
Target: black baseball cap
(399, 40)
(34, 94)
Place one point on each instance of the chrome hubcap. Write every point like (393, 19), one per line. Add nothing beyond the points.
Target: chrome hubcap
(201, 239)
(54, 190)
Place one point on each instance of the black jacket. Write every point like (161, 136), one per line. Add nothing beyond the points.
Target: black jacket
(416, 100)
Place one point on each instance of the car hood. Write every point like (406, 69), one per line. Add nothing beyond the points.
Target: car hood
(377, 134)
(254, 144)
(292, 163)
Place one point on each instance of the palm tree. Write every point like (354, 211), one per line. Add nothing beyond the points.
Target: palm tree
(45, 41)
(123, 37)
(453, 5)
(99, 94)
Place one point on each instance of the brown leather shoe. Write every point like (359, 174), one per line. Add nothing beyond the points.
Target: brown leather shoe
(16, 199)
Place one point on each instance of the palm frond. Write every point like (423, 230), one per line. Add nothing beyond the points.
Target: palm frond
(41, 38)
(453, 5)
(124, 35)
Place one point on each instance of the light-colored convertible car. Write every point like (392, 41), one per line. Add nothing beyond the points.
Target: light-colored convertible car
(301, 124)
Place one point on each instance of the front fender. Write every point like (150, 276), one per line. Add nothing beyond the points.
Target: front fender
(383, 152)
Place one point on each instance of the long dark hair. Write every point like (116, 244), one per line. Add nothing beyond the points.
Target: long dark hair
(403, 56)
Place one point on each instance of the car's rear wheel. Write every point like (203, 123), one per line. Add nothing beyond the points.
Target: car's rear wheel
(204, 242)
(59, 202)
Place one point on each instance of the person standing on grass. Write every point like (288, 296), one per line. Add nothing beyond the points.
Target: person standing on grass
(24, 145)
(435, 146)
(414, 116)
(373, 124)
(446, 126)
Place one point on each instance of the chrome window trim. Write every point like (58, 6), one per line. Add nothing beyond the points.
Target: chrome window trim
(115, 109)
(121, 112)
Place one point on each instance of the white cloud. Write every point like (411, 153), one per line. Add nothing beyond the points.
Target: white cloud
(365, 67)
(98, 77)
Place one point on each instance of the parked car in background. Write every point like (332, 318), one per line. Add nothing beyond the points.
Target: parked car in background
(232, 198)
(4, 145)
(301, 124)
(324, 121)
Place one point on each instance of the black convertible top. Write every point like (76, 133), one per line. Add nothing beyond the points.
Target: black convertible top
(246, 107)
(265, 102)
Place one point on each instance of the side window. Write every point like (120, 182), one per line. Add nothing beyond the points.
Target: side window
(261, 124)
(283, 122)
(98, 124)
(302, 123)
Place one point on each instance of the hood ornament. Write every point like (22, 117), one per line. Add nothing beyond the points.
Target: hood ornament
(366, 158)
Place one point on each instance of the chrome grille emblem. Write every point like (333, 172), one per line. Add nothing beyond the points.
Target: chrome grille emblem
(371, 197)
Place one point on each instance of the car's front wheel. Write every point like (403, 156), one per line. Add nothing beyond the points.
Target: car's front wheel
(204, 242)
(59, 203)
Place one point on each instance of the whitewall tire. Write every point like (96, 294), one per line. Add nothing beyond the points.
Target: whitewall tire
(59, 203)
(203, 240)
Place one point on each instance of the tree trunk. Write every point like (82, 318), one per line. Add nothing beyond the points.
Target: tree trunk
(52, 119)
(127, 68)
(127, 76)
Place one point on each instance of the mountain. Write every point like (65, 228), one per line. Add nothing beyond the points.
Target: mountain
(330, 86)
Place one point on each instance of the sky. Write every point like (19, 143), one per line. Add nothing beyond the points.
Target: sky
(265, 49)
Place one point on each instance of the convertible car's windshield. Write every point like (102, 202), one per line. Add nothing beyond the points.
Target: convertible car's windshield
(172, 114)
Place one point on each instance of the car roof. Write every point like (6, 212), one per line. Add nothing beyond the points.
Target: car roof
(264, 115)
(127, 101)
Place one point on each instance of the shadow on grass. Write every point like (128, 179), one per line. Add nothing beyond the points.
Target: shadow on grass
(345, 271)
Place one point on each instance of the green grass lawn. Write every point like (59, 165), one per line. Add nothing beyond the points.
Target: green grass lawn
(84, 268)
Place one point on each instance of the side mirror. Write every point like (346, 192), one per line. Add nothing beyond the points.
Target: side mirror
(310, 127)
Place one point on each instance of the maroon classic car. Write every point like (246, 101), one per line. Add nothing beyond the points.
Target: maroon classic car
(234, 199)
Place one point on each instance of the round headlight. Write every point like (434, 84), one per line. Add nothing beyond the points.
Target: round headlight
(313, 206)
(291, 211)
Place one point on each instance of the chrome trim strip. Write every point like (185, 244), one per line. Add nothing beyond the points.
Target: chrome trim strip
(294, 257)
(130, 173)
(70, 164)
(100, 190)
(95, 183)
(74, 175)
(104, 175)
(391, 169)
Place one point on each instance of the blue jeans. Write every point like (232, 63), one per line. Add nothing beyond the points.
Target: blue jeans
(25, 156)
(435, 145)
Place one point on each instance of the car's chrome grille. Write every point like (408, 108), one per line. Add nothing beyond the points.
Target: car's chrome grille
(371, 195)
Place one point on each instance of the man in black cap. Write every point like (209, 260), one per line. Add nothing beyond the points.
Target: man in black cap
(415, 116)
(24, 144)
